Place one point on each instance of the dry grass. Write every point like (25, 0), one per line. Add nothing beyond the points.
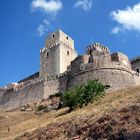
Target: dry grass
(16, 123)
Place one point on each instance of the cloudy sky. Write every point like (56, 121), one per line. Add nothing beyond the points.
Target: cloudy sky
(24, 25)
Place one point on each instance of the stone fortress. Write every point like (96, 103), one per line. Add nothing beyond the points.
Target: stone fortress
(61, 68)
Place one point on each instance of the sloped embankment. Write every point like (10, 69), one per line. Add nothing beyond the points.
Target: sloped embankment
(117, 116)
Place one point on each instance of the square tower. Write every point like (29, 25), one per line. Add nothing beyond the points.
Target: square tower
(57, 54)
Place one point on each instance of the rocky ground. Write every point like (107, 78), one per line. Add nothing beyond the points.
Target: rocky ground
(116, 116)
(122, 124)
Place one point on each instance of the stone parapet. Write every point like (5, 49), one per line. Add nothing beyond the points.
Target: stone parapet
(97, 47)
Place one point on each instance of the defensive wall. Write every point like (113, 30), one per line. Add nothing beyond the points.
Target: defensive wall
(31, 91)
(111, 69)
(135, 65)
(60, 70)
(24, 94)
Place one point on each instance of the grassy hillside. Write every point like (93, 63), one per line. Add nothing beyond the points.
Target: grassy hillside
(117, 115)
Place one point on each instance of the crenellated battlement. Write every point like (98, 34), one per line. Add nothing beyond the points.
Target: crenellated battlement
(23, 85)
(97, 47)
(56, 44)
(61, 69)
(29, 83)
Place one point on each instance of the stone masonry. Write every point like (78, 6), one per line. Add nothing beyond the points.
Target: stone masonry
(61, 69)
(57, 55)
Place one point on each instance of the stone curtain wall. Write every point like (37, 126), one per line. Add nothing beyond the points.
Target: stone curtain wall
(32, 91)
(122, 60)
(31, 77)
(15, 98)
(55, 84)
(137, 78)
(116, 78)
(63, 82)
(2, 90)
(114, 70)
(135, 64)
(51, 87)
(61, 69)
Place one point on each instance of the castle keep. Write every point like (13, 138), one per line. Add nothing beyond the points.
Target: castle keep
(57, 54)
(61, 69)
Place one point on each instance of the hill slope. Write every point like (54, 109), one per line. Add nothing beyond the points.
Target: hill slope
(116, 116)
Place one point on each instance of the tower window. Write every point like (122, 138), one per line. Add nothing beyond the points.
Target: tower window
(90, 52)
(138, 71)
(114, 57)
(68, 52)
(47, 53)
(53, 35)
(67, 37)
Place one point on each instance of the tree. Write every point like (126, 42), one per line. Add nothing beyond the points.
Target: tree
(80, 96)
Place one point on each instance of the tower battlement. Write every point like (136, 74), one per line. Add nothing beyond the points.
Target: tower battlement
(57, 54)
(57, 37)
(98, 48)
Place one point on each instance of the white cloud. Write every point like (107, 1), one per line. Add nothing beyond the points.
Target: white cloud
(116, 30)
(84, 4)
(44, 27)
(48, 6)
(40, 30)
(128, 19)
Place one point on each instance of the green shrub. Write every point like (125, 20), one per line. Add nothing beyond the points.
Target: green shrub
(80, 96)
(59, 94)
(41, 107)
(72, 98)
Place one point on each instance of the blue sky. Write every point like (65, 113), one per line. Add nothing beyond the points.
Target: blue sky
(24, 25)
